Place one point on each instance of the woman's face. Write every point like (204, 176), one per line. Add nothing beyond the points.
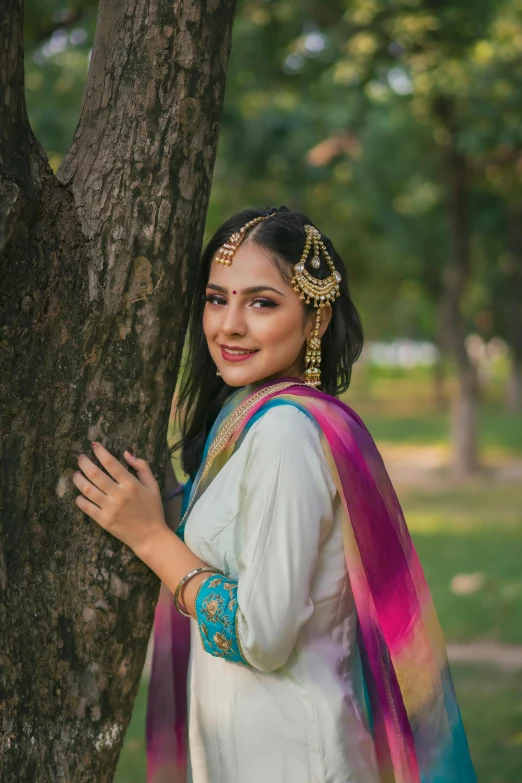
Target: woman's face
(268, 321)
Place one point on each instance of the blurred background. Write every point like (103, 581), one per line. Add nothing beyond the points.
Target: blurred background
(397, 127)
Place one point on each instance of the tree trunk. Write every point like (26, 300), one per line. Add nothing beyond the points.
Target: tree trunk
(512, 308)
(431, 281)
(451, 323)
(439, 380)
(94, 264)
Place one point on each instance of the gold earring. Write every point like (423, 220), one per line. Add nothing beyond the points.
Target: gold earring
(218, 373)
(321, 291)
(313, 355)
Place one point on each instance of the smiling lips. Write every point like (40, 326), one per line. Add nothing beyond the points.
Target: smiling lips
(235, 354)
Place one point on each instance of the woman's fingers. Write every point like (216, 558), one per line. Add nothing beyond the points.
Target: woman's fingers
(89, 508)
(127, 506)
(88, 489)
(142, 469)
(111, 464)
(95, 475)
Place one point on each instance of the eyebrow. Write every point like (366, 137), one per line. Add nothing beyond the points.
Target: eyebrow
(253, 289)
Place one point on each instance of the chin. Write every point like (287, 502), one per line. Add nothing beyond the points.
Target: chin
(239, 378)
(242, 377)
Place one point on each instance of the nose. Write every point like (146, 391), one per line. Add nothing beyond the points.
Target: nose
(234, 321)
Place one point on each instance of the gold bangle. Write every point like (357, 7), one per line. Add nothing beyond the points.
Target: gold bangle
(181, 585)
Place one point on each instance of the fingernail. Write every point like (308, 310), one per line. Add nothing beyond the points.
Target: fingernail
(94, 444)
(130, 453)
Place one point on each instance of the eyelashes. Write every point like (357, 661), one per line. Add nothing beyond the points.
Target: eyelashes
(266, 303)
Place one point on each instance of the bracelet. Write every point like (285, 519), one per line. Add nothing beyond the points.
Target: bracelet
(179, 489)
(181, 585)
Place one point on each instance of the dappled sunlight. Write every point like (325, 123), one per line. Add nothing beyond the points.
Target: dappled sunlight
(454, 509)
(466, 584)
(469, 539)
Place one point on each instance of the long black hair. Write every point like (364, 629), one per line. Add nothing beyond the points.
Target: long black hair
(202, 392)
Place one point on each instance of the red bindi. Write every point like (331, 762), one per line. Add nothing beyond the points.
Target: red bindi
(233, 292)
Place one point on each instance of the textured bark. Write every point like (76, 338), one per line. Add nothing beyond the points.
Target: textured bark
(451, 322)
(94, 263)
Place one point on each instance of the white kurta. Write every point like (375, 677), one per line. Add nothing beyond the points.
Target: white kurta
(271, 520)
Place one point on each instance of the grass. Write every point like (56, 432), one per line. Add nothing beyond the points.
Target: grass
(491, 707)
(398, 407)
(132, 766)
(469, 540)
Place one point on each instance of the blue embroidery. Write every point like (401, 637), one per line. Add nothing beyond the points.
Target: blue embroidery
(216, 614)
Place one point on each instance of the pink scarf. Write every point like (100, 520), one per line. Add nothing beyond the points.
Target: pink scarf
(411, 703)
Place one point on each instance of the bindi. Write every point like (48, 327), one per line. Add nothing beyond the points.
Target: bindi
(234, 292)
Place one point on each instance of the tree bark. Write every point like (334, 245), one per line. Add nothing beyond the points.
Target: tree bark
(451, 321)
(95, 263)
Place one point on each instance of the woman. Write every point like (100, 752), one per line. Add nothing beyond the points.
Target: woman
(315, 652)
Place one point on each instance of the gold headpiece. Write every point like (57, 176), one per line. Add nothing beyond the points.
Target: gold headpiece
(309, 287)
(226, 251)
(321, 291)
(304, 284)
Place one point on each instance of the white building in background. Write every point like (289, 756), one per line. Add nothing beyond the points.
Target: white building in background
(414, 353)
(401, 353)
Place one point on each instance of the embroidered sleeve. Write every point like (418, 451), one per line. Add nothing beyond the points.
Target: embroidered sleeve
(216, 615)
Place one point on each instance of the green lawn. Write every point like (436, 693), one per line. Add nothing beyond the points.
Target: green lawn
(132, 766)
(469, 539)
(491, 706)
(397, 407)
(498, 433)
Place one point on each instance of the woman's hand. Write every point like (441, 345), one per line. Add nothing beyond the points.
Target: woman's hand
(129, 508)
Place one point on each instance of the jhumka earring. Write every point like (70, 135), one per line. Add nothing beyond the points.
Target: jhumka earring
(321, 291)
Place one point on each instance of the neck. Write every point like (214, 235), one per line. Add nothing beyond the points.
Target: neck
(273, 380)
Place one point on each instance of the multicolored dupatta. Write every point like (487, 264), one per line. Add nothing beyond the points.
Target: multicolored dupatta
(409, 694)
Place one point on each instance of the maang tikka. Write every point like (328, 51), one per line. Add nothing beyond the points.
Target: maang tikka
(226, 252)
(308, 287)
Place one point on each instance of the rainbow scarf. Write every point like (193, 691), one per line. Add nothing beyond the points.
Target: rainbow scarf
(408, 694)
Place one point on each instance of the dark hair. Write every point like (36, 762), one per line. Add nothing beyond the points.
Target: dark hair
(202, 392)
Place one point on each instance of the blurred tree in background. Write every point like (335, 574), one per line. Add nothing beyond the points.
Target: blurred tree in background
(395, 126)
